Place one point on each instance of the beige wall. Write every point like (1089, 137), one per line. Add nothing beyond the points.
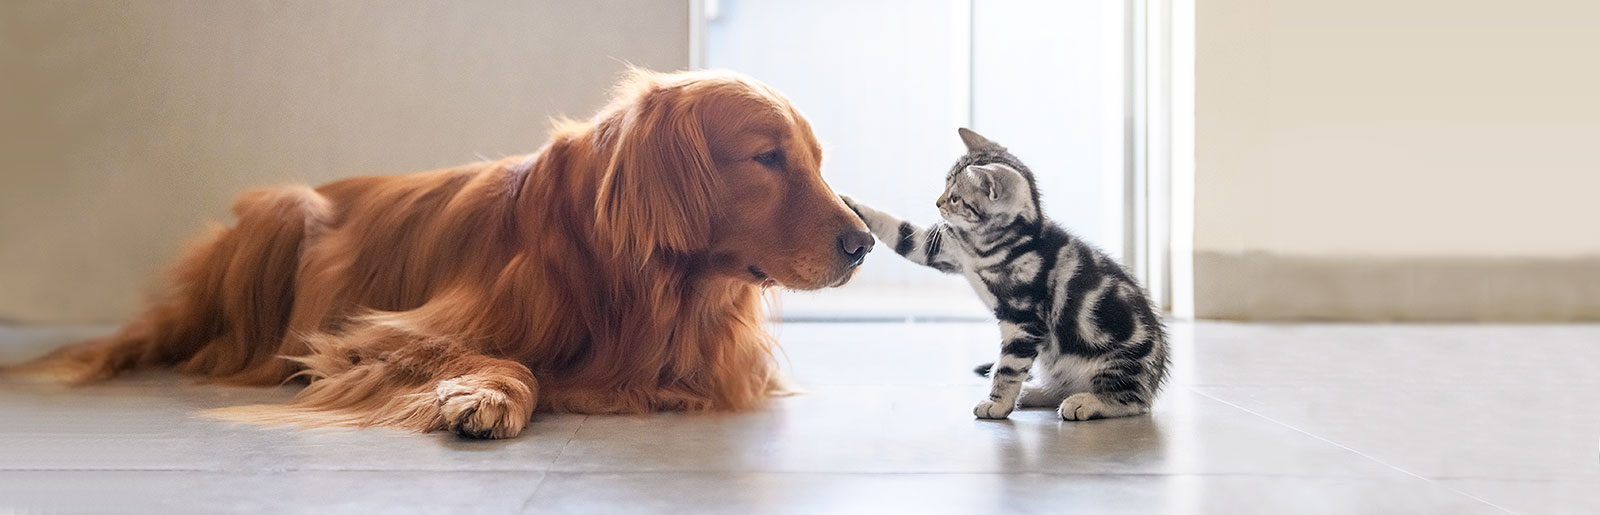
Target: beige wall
(124, 125)
(1407, 131)
(1398, 127)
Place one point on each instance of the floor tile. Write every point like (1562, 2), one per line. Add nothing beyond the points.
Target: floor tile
(279, 492)
(931, 429)
(1506, 433)
(802, 493)
(155, 422)
(1418, 356)
(1552, 497)
(1302, 418)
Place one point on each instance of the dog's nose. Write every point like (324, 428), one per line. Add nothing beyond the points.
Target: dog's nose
(855, 245)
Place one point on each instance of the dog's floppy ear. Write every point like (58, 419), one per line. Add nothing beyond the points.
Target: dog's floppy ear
(658, 187)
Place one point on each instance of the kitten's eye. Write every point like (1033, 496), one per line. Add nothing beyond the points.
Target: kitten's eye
(771, 159)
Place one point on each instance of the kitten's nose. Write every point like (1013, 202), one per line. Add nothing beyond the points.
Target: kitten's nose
(855, 245)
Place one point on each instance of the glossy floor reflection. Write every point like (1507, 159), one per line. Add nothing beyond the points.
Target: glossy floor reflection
(1258, 419)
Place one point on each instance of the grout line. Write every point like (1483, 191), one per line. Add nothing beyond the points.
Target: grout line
(1064, 474)
(886, 319)
(824, 472)
(545, 476)
(1349, 449)
(1547, 479)
(606, 471)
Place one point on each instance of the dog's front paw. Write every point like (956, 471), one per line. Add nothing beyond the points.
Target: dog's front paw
(1082, 406)
(473, 408)
(993, 410)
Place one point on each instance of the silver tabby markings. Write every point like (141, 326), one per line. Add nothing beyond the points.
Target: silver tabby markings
(1074, 325)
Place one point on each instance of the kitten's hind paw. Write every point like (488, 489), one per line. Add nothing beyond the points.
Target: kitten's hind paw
(1088, 406)
(993, 410)
(1081, 406)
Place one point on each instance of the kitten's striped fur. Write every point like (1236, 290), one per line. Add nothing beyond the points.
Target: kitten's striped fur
(1074, 325)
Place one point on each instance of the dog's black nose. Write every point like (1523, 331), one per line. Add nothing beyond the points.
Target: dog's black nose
(855, 245)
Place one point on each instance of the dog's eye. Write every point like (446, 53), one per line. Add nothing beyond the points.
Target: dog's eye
(771, 159)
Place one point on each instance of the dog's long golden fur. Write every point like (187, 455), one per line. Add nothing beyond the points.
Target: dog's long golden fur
(617, 270)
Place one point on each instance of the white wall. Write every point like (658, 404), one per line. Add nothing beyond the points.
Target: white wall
(1398, 128)
(125, 125)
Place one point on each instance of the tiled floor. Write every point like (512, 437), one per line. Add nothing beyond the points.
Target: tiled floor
(1258, 419)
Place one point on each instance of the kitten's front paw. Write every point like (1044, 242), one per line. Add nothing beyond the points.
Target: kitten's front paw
(851, 203)
(993, 410)
(1082, 406)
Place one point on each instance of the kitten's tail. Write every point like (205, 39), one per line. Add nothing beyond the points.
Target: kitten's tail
(983, 370)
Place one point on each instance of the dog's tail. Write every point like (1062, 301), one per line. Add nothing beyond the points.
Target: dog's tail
(168, 328)
(85, 362)
(228, 312)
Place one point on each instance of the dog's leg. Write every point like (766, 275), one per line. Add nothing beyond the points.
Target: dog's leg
(388, 374)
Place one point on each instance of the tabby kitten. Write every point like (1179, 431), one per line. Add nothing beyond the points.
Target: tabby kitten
(1073, 323)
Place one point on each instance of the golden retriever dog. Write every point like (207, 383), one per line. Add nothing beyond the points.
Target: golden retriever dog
(619, 269)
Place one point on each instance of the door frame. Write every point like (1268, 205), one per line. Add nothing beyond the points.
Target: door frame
(1159, 164)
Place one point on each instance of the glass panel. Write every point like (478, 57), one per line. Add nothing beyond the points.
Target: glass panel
(885, 84)
(1048, 83)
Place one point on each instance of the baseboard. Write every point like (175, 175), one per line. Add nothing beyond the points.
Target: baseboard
(868, 304)
(1266, 286)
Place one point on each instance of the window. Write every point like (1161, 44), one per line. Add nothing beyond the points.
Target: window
(886, 83)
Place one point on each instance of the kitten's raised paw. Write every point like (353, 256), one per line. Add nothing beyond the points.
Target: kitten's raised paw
(850, 203)
(993, 410)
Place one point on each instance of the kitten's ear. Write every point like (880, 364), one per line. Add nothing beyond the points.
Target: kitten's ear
(974, 140)
(986, 180)
(997, 177)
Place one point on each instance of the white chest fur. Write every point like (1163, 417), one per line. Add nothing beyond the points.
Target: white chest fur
(969, 269)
